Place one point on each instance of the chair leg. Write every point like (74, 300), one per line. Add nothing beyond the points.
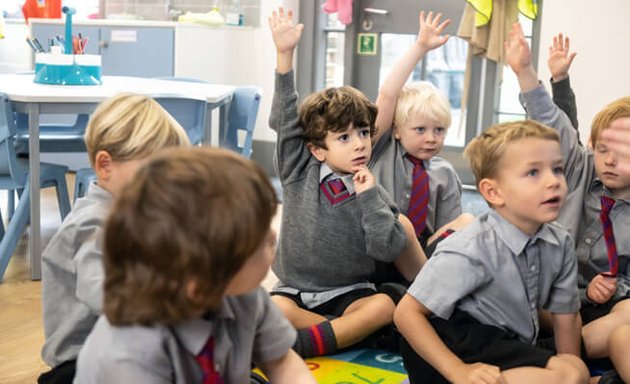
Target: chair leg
(15, 229)
(10, 203)
(63, 199)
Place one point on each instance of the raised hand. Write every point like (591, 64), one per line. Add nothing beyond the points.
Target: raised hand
(284, 32)
(363, 179)
(560, 59)
(430, 32)
(601, 289)
(517, 53)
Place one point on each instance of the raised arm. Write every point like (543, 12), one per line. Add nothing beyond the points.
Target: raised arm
(286, 36)
(559, 62)
(519, 57)
(429, 37)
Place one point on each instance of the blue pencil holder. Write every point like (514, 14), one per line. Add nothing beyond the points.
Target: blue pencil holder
(61, 69)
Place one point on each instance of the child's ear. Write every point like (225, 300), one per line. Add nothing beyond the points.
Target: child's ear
(103, 165)
(318, 152)
(489, 190)
(395, 133)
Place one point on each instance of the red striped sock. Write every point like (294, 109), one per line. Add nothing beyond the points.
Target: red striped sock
(317, 340)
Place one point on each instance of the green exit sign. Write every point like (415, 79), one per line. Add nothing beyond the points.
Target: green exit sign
(367, 44)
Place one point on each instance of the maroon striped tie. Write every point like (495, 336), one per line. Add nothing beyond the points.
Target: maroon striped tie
(609, 235)
(206, 361)
(419, 200)
(335, 191)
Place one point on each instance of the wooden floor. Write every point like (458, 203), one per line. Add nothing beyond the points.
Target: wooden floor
(21, 329)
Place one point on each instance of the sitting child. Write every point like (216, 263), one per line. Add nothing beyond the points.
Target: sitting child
(412, 123)
(186, 247)
(471, 315)
(597, 213)
(336, 221)
(122, 133)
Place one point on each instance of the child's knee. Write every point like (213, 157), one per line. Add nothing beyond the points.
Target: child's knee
(383, 308)
(618, 340)
(568, 369)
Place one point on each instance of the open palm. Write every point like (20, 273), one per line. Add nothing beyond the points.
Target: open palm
(285, 34)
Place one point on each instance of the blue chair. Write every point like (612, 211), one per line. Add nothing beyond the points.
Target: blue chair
(82, 181)
(189, 112)
(14, 175)
(243, 110)
(53, 137)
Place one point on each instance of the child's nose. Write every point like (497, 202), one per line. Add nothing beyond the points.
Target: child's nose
(611, 158)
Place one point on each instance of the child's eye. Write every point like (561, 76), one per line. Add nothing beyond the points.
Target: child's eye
(344, 137)
(364, 132)
(421, 130)
(602, 149)
(439, 131)
(532, 172)
(559, 170)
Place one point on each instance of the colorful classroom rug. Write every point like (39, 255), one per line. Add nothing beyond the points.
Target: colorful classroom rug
(363, 366)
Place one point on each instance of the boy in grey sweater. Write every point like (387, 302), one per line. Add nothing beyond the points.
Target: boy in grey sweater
(336, 221)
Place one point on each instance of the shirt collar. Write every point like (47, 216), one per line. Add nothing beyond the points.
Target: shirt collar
(426, 163)
(326, 172)
(194, 333)
(516, 239)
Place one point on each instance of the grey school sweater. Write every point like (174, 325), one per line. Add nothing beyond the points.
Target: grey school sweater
(322, 246)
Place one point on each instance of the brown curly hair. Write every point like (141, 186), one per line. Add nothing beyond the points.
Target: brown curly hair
(333, 110)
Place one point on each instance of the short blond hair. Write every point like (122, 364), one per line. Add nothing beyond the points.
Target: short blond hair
(613, 111)
(422, 97)
(130, 126)
(485, 151)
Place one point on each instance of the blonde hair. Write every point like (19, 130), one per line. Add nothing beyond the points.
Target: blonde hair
(485, 151)
(422, 98)
(613, 111)
(130, 126)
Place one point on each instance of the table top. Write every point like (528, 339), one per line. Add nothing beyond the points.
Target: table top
(21, 88)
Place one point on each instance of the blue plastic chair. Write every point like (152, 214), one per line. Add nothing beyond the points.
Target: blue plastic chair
(14, 175)
(53, 137)
(82, 181)
(239, 133)
(190, 113)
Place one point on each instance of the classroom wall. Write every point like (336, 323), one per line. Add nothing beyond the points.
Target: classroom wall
(599, 33)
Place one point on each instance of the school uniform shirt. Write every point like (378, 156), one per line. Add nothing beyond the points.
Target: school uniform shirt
(394, 172)
(501, 276)
(72, 277)
(580, 213)
(325, 246)
(246, 328)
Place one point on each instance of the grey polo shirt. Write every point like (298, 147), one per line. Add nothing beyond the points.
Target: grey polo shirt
(247, 328)
(394, 172)
(580, 214)
(72, 277)
(500, 275)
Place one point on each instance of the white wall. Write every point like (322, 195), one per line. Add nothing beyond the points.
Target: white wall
(599, 33)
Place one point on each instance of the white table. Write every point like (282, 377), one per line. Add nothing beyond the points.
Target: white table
(35, 99)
